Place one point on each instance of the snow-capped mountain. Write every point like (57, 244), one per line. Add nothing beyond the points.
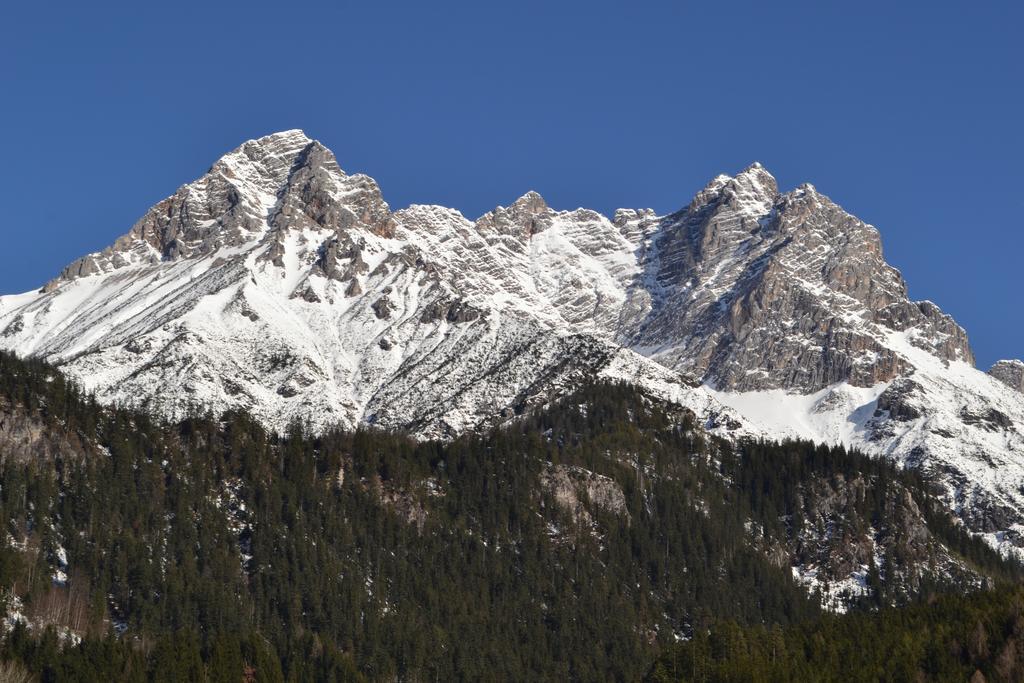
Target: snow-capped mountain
(281, 285)
(278, 284)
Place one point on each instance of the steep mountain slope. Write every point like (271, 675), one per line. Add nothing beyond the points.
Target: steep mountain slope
(278, 284)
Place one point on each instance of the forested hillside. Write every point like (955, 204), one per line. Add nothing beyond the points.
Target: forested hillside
(585, 541)
(976, 638)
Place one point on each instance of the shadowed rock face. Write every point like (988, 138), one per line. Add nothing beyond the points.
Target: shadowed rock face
(761, 290)
(318, 195)
(1010, 373)
(265, 187)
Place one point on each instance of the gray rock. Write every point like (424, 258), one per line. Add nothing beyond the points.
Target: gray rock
(1010, 373)
(382, 308)
(761, 290)
(899, 401)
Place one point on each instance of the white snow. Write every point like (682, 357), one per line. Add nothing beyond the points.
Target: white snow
(836, 415)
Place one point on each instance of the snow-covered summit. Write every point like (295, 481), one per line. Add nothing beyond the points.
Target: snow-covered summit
(279, 284)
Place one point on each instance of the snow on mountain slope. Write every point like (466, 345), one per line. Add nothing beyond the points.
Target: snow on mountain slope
(281, 285)
(941, 418)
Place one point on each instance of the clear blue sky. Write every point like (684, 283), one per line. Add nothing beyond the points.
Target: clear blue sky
(907, 114)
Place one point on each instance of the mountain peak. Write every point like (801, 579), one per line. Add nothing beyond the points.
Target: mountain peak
(270, 155)
(753, 186)
(281, 180)
(531, 202)
(754, 167)
(291, 135)
(758, 180)
(524, 217)
(281, 143)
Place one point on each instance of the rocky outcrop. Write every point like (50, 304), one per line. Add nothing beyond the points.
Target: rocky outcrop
(527, 216)
(24, 437)
(762, 290)
(900, 401)
(225, 208)
(580, 491)
(835, 546)
(261, 190)
(1010, 373)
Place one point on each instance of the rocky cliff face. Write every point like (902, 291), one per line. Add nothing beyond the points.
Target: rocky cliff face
(281, 285)
(762, 290)
(25, 438)
(836, 551)
(1010, 373)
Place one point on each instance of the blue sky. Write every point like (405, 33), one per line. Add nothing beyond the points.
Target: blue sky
(909, 116)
